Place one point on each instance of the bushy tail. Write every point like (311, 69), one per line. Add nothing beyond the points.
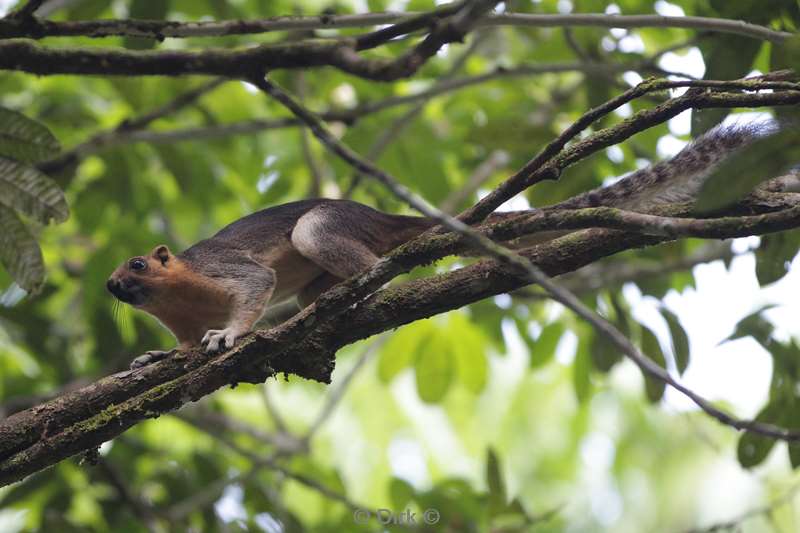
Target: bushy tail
(672, 181)
(678, 179)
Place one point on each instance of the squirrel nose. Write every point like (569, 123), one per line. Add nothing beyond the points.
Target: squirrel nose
(111, 285)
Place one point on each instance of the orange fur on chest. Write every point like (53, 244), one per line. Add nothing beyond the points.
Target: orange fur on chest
(187, 303)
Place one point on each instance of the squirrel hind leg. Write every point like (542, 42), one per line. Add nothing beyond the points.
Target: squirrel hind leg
(331, 245)
(311, 292)
(151, 356)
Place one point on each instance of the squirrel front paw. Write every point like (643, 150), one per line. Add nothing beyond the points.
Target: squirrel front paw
(219, 339)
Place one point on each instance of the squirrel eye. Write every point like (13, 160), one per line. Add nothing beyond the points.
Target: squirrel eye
(138, 264)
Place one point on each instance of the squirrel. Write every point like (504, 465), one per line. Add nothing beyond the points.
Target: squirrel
(215, 291)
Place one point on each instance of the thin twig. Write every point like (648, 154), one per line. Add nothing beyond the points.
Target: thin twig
(736, 27)
(335, 395)
(736, 523)
(482, 173)
(611, 274)
(271, 463)
(209, 419)
(272, 410)
(395, 129)
(314, 168)
(140, 509)
(105, 138)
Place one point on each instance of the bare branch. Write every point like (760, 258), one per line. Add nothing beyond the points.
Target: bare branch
(128, 135)
(406, 22)
(736, 27)
(27, 56)
(25, 12)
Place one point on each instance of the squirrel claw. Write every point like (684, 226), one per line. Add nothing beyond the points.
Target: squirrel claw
(219, 339)
(150, 357)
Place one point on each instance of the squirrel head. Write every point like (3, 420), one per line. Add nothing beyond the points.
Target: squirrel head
(135, 280)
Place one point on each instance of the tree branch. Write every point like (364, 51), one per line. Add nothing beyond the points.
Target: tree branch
(606, 275)
(406, 22)
(305, 345)
(118, 135)
(553, 159)
(23, 14)
(27, 56)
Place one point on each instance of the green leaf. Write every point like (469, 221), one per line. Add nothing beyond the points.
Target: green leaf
(400, 493)
(754, 448)
(489, 318)
(581, 367)
(680, 341)
(19, 252)
(785, 371)
(434, 368)
(24, 139)
(605, 353)
(543, 349)
(654, 388)
(753, 325)
(791, 420)
(620, 314)
(468, 346)
(400, 351)
(29, 191)
(774, 255)
(494, 480)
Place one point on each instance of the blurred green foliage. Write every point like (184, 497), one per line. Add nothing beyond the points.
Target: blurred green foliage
(504, 416)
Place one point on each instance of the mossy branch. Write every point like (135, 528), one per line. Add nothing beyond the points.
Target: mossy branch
(305, 346)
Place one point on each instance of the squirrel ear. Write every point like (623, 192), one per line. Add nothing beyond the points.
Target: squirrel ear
(162, 253)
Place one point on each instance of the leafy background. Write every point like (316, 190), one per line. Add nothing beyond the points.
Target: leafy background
(509, 414)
